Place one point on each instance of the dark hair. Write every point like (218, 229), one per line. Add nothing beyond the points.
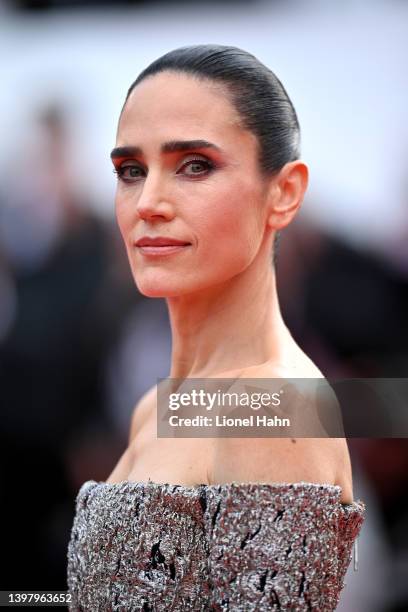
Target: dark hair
(256, 93)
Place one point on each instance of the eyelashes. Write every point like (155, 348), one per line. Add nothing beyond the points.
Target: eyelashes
(120, 172)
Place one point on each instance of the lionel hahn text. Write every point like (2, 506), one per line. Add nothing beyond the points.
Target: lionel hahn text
(223, 421)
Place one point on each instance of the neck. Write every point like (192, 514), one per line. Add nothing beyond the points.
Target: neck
(229, 327)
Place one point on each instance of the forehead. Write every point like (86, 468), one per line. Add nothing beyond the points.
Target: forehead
(170, 105)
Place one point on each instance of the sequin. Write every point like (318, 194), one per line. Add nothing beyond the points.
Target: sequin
(234, 546)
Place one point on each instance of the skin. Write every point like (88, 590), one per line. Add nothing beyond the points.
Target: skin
(230, 215)
(221, 290)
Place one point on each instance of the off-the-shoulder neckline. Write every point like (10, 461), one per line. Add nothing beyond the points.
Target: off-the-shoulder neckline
(327, 487)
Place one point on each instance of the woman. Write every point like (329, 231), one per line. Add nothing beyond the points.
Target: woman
(207, 157)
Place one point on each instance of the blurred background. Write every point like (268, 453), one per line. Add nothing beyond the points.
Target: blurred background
(79, 345)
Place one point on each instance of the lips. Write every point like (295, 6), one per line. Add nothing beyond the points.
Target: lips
(160, 241)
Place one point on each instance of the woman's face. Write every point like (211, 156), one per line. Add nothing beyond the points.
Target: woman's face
(211, 198)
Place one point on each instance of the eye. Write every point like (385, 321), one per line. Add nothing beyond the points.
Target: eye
(198, 167)
(129, 173)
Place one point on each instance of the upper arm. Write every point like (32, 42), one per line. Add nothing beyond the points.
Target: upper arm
(344, 476)
(141, 412)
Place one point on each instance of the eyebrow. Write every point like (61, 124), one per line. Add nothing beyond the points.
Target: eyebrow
(167, 147)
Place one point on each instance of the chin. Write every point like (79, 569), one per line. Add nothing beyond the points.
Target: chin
(161, 285)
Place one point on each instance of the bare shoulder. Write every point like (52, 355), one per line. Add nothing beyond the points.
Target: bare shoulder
(321, 460)
(330, 452)
(141, 412)
(138, 420)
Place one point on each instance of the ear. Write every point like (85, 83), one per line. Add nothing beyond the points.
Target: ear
(286, 194)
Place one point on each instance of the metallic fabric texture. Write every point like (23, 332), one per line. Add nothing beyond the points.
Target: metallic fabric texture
(234, 546)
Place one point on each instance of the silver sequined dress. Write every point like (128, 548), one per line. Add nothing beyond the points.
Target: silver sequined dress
(234, 546)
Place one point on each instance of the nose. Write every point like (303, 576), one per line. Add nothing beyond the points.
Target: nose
(151, 202)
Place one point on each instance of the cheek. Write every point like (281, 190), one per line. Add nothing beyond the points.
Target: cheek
(232, 226)
(123, 213)
(125, 221)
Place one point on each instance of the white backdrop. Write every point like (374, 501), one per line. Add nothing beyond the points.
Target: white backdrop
(344, 65)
